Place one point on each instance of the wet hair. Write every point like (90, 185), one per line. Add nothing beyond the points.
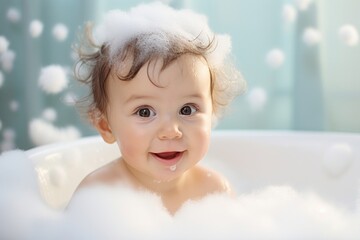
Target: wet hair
(96, 62)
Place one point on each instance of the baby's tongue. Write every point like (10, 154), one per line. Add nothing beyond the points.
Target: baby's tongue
(167, 155)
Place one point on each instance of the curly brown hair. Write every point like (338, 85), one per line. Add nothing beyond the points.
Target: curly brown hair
(95, 64)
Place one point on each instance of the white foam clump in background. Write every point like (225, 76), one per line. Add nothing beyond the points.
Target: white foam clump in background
(289, 13)
(53, 79)
(303, 5)
(118, 212)
(7, 60)
(257, 98)
(14, 105)
(49, 114)
(36, 28)
(9, 134)
(70, 99)
(60, 32)
(4, 44)
(275, 58)
(349, 35)
(42, 132)
(1, 79)
(337, 159)
(312, 36)
(8, 143)
(159, 22)
(13, 15)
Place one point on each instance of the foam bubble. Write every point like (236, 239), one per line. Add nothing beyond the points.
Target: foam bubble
(70, 99)
(349, 35)
(60, 32)
(257, 98)
(289, 13)
(338, 159)
(36, 28)
(1, 79)
(13, 15)
(303, 5)
(275, 58)
(49, 114)
(53, 79)
(42, 132)
(7, 145)
(312, 36)
(4, 44)
(14, 106)
(7, 60)
(9, 134)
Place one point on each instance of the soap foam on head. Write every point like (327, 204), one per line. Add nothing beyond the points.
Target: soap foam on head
(154, 25)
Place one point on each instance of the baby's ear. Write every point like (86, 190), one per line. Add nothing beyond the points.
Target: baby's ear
(101, 123)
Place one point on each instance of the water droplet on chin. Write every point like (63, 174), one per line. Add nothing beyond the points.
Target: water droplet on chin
(173, 168)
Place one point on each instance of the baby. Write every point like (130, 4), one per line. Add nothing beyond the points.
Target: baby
(159, 79)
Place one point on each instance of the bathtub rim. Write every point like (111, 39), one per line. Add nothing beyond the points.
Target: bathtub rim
(300, 138)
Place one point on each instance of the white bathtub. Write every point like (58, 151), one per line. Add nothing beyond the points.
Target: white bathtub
(325, 163)
(320, 199)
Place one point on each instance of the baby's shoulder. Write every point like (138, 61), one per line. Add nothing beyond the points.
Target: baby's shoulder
(107, 174)
(211, 181)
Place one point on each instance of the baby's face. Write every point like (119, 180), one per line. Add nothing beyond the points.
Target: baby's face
(163, 130)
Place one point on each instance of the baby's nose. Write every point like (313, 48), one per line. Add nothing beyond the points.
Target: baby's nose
(170, 130)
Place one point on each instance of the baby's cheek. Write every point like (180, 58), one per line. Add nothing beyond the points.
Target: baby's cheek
(203, 140)
(128, 147)
(128, 150)
(130, 139)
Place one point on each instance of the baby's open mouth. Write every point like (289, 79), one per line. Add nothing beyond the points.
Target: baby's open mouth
(167, 155)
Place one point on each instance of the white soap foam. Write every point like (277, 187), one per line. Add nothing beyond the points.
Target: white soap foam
(118, 212)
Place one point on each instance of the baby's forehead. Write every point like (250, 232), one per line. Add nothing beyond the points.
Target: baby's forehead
(188, 70)
(186, 76)
(156, 64)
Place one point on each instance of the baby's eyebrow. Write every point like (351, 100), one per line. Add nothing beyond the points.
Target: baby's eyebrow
(148, 97)
(194, 95)
(139, 97)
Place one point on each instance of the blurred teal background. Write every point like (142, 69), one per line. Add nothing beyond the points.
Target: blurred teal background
(317, 88)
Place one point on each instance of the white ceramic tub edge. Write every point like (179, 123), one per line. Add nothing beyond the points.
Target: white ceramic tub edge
(322, 162)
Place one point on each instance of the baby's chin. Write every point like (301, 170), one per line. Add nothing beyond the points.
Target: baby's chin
(168, 178)
(170, 173)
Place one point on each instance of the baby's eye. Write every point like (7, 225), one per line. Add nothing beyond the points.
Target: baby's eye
(145, 112)
(188, 110)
